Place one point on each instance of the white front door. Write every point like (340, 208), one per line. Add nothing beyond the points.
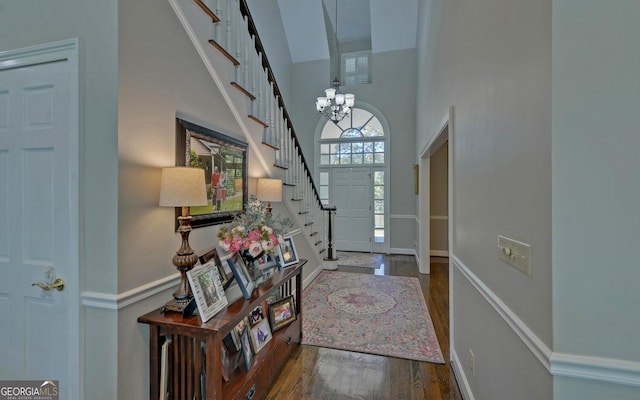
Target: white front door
(352, 197)
(39, 337)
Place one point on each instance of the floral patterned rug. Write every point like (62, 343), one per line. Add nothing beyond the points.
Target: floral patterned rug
(384, 315)
(353, 259)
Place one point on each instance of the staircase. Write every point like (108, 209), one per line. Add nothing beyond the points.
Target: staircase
(227, 41)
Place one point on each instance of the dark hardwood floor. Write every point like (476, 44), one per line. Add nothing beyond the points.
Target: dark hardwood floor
(319, 373)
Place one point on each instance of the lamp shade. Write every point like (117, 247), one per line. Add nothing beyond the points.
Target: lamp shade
(269, 189)
(182, 187)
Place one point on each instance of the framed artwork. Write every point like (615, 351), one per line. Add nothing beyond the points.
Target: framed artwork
(247, 352)
(282, 313)
(224, 163)
(207, 290)
(287, 252)
(242, 275)
(260, 335)
(212, 254)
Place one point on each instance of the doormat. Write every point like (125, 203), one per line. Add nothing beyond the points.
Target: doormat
(383, 315)
(353, 259)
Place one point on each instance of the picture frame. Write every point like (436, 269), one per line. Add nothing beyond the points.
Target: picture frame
(247, 351)
(212, 254)
(260, 335)
(287, 252)
(241, 273)
(282, 313)
(215, 153)
(256, 316)
(207, 290)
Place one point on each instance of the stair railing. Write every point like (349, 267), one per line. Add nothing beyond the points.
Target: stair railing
(236, 37)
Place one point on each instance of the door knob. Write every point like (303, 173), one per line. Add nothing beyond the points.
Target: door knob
(58, 284)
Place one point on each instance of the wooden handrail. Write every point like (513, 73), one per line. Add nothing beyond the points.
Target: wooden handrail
(244, 9)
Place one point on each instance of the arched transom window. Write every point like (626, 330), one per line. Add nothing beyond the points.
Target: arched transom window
(357, 139)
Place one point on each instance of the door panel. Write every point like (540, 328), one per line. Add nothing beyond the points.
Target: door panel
(352, 197)
(38, 186)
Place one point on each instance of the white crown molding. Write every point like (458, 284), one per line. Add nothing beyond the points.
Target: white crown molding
(577, 366)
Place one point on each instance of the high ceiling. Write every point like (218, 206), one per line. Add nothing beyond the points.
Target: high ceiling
(388, 24)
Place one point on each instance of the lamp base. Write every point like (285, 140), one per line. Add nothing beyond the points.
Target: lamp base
(186, 307)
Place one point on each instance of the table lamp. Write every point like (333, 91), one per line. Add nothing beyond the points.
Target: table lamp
(183, 187)
(269, 190)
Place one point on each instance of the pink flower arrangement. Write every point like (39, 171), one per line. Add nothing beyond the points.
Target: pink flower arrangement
(254, 231)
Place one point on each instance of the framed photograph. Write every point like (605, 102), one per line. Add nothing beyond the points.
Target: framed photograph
(212, 255)
(273, 297)
(247, 352)
(287, 252)
(260, 335)
(242, 275)
(240, 327)
(224, 163)
(207, 290)
(282, 313)
(256, 316)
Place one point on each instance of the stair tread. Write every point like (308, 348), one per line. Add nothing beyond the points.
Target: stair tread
(224, 52)
(208, 11)
(271, 145)
(243, 90)
(258, 120)
(282, 166)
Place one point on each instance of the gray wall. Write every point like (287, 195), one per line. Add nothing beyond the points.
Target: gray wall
(491, 61)
(391, 92)
(26, 23)
(596, 190)
(160, 75)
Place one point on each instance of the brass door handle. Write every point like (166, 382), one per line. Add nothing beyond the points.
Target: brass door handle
(58, 284)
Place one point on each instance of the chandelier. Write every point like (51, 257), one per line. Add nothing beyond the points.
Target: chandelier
(335, 105)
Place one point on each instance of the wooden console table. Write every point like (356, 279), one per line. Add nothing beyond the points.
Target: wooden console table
(195, 362)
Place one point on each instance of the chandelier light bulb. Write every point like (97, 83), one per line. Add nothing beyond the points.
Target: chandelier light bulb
(349, 99)
(331, 93)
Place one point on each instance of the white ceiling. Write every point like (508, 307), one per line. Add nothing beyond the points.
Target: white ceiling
(389, 24)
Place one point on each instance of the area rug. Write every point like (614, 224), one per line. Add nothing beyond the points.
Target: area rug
(384, 315)
(352, 259)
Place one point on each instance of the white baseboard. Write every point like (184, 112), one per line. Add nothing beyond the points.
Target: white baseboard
(409, 252)
(313, 275)
(461, 377)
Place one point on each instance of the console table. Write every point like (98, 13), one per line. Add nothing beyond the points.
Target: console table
(194, 367)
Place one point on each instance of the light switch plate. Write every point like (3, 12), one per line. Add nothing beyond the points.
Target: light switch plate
(515, 253)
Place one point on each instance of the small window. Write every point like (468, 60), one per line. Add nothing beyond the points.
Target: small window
(355, 68)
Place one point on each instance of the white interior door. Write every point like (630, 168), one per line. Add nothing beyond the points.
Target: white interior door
(38, 222)
(352, 196)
